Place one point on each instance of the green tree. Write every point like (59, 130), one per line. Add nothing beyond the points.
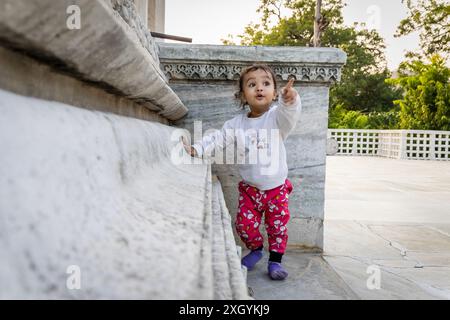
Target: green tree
(341, 118)
(362, 86)
(426, 102)
(383, 120)
(432, 19)
(366, 92)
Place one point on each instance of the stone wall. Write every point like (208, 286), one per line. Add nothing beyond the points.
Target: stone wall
(26, 76)
(136, 18)
(91, 204)
(92, 207)
(112, 51)
(205, 78)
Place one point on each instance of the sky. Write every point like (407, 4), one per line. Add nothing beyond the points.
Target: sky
(209, 21)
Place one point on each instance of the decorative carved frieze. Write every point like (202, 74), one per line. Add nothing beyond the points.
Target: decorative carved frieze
(230, 71)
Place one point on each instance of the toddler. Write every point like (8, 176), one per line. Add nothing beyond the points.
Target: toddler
(264, 189)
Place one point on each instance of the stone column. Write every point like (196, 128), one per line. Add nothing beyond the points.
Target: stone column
(205, 78)
(156, 15)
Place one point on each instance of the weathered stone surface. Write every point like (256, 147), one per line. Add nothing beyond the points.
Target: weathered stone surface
(380, 189)
(128, 11)
(229, 281)
(412, 256)
(283, 55)
(26, 76)
(310, 278)
(105, 50)
(413, 263)
(98, 191)
(396, 220)
(393, 286)
(225, 63)
(365, 244)
(413, 237)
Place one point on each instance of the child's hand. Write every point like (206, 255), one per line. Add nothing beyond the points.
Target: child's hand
(288, 93)
(191, 151)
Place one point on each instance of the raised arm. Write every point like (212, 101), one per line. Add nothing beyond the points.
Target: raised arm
(289, 109)
(288, 93)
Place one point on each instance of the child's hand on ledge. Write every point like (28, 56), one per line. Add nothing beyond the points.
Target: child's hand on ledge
(189, 149)
(288, 93)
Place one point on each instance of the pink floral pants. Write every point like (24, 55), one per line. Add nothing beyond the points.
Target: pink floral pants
(253, 203)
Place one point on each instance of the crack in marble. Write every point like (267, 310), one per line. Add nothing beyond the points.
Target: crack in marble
(403, 251)
(439, 231)
(383, 268)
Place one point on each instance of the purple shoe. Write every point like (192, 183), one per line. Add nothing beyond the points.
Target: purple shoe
(251, 259)
(276, 271)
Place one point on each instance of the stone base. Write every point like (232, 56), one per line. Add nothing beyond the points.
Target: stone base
(306, 234)
(92, 207)
(26, 76)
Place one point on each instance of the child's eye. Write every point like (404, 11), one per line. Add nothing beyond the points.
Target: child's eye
(251, 85)
(267, 83)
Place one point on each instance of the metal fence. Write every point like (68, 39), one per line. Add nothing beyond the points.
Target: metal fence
(396, 144)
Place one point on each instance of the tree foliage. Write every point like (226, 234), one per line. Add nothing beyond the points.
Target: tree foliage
(341, 118)
(432, 19)
(426, 102)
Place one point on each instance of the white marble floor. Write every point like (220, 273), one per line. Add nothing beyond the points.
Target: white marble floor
(389, 218)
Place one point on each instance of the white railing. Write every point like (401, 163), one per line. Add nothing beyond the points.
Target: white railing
(397, 144)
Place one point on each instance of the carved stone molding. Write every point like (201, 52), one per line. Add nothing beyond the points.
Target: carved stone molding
(105, 51)
(212, 72)
(127, 11)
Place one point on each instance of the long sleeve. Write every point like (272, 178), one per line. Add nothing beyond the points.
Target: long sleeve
(217, 139)
(288, 115)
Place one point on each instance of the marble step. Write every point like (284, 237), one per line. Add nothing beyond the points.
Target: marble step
(229, 278)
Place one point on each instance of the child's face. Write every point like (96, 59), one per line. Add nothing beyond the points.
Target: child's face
(258, 90)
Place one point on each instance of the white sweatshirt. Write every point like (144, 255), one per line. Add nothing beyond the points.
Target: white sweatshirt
(261, 154)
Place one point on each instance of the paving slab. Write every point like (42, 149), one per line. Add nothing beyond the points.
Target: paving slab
(386, 220)
(392, 216)
(412, 260)
(310, 278)
(414, 238)
(393, 286)
(353, 238)
(381, 189)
